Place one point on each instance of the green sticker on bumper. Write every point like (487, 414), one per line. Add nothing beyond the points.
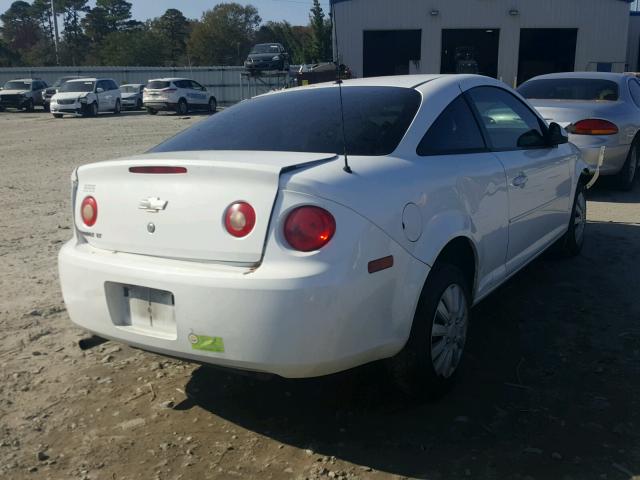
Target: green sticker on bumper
(206, 344)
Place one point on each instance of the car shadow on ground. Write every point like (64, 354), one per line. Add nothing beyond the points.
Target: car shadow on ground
(605, 191)
(549, 388)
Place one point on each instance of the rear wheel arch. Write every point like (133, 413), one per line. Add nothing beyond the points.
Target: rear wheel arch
(461, 252)
(415, 367)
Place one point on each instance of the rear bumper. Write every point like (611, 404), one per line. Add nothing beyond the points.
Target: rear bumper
(614, 158)
(166, 106)
(298, 320)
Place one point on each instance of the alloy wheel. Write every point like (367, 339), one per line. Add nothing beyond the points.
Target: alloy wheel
(633, 164)
(449, 331)
(580, 218)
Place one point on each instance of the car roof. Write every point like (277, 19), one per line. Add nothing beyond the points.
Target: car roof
(614, 77)
(167, 79)
(88, 79)
(421, 83)
(132, 84)
(24, 79)
(403, 81)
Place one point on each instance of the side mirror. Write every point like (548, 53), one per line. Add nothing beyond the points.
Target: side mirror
(556, 135)
(99, 90)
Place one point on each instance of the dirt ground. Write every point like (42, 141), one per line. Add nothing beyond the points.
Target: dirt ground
(550, 388)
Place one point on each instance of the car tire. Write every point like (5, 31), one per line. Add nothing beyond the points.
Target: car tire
(213, 105)
(57, 115)
(627, 175)
(30, 107)
(46, 107)
(118, 108)
(151, 111)
(427, 366)
(570, 245)
(139, 105)
(91, 110)
(183, 107)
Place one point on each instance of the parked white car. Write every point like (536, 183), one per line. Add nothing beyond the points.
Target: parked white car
(240, 243)
(87, 97)
(179, 95)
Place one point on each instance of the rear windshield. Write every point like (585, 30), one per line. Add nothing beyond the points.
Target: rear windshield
(129, 88)
(17, 86)
(308, 120)
(570, 89)
(158, 85)
(77, 87)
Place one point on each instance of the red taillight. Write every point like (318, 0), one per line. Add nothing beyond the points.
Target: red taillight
(240, 218)
(89, 211)
(593, 126)
(309, 228)
(158, 170)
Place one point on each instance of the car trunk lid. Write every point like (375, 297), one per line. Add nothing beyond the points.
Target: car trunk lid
(181, 215)
(566, 112)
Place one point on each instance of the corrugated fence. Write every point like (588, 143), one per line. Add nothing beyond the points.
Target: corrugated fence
(228, 84)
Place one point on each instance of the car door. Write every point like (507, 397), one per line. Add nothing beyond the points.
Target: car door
(198, 92)
(102, 93)
(539, 177)
(38, 87)
(454, 152)
(116, 95)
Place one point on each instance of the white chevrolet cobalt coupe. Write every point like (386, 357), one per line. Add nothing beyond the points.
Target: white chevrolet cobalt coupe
(250, 241)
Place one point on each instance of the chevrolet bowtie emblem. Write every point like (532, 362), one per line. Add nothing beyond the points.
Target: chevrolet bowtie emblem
(153, 204)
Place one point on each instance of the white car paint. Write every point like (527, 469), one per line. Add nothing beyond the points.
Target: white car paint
(178, 89)
(102, 94)
(301, 314)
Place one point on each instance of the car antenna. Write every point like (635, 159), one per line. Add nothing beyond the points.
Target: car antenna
(346, 167)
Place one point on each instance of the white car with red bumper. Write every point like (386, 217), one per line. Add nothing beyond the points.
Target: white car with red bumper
(241, 247)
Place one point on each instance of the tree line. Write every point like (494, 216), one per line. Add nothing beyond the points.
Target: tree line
(107, 35)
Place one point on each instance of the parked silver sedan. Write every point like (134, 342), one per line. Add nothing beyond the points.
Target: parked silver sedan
(132, 95)
(597, 109)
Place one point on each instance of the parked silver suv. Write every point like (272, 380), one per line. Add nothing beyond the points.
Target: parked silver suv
(23, 94)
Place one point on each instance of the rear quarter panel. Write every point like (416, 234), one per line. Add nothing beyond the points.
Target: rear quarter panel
(457, 195)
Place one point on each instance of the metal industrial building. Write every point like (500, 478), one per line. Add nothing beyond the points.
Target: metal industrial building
(512, 40)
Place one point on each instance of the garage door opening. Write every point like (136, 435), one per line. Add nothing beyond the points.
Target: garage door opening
(546, 50)
(390, 52)
(470, 51)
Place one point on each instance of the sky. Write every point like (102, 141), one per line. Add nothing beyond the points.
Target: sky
(295, 12)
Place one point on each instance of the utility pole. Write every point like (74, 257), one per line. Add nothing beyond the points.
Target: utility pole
(55, 31)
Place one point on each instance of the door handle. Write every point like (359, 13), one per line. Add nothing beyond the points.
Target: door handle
(520, 181)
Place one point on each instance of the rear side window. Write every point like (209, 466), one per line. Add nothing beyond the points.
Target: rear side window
(570, 89)
(309, 120)
(634, 87)
(508, 122)
(455, 131)
(158, 85)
